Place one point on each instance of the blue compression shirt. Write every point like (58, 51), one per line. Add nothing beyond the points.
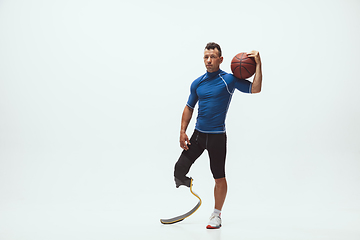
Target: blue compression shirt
(214, 92)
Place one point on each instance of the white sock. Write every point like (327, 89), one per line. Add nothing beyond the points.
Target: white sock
(217, 212)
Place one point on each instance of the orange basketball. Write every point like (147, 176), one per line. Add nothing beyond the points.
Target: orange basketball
(243, 66)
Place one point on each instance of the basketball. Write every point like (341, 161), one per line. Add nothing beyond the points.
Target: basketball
(243, 66)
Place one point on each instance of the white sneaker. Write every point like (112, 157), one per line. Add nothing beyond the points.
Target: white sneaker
(215, 222)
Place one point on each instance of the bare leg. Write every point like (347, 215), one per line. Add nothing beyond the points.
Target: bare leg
(220, 191)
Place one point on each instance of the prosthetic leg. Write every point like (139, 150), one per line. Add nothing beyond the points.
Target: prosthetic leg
(182, 167)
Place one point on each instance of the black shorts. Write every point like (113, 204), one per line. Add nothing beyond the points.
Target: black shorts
(215, 144)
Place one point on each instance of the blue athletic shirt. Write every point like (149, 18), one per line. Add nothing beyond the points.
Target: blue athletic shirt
(214, 92)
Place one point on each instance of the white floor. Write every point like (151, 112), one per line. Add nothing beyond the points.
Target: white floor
(93, 220)
(95, 203)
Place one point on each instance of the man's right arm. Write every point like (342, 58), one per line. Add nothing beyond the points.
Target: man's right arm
(185, 120)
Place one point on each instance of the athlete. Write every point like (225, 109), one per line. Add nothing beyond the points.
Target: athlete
(213, 92)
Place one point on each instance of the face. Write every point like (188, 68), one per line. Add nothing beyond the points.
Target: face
(212, 60)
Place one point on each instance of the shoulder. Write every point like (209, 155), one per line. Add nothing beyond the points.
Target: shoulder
(196, 82)
(228, 77)
(226, 74)
(200, 78)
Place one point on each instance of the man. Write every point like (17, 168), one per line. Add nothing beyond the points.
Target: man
(213, 92)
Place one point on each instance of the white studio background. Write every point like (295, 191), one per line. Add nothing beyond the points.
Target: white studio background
(91, 96)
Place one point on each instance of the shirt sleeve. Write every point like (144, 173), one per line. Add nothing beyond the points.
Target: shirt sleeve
(243, 85)
(193, 98)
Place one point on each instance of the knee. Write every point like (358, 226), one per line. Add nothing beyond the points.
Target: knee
(182, 167)
(220, 182)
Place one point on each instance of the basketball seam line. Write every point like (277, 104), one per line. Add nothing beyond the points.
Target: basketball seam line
(242, 65)
(241, 76)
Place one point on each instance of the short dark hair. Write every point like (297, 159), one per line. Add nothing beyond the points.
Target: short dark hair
(212, 45)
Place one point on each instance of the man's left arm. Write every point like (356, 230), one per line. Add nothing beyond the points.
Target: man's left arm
(257, 81)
